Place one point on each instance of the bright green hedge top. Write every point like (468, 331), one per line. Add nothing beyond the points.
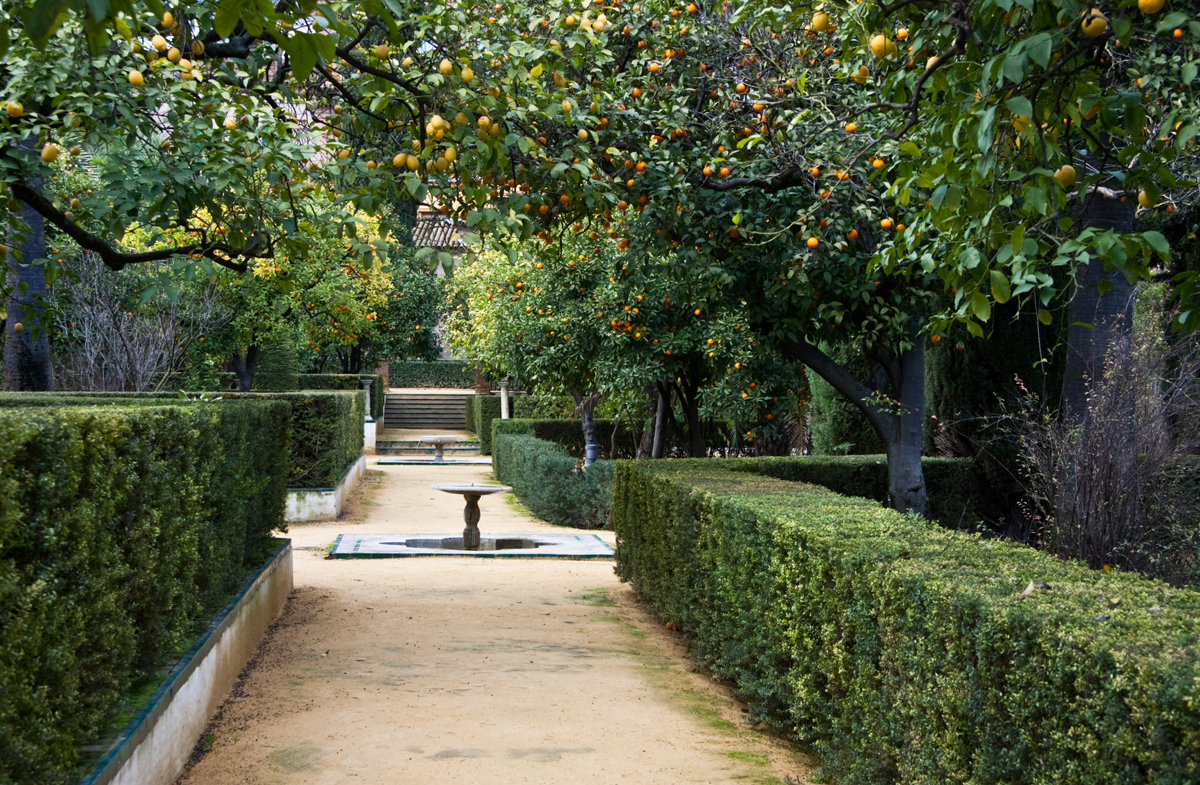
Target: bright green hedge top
(326, 427)
(905, 651)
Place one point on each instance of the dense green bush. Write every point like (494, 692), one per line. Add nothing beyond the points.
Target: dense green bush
(119, 525)
(448, 375)
(532, 407)
(553, 484)
(347, 381)
(326, 427)
(482, 410)
(960, 494)
(905, 652)
(569, 434)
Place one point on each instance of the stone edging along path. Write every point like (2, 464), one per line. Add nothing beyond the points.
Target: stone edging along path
(500, 670)
(154, 747)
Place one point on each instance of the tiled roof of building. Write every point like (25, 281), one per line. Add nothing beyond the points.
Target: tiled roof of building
(439, 232)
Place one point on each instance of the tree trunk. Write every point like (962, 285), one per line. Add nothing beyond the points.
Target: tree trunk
(27, 353)
(1110, 314)
(590, 437)
(906, 477)
(660, 424)
(900, 425)
(244, 367)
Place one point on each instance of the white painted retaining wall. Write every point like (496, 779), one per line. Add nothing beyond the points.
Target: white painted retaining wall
(324, 504)
(154, 748)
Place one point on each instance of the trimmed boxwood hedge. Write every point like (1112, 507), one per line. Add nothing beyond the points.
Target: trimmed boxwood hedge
(482, 410)
(326, 427)
(553, 484)
(446, 375)
(959, 497)
(347, 381)
(119, 526)
(904, 651)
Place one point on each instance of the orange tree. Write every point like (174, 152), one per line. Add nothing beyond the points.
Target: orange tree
(572, 318)
(875, 170)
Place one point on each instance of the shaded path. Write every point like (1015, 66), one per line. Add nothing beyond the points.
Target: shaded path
(426, 670)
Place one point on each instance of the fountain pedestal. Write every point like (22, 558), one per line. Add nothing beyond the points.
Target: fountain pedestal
(471, 514)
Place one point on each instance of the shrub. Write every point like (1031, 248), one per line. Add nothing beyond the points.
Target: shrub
(569, 434)
(906, 652)
(326, 427)
(553, 484)
(533, 407)
(483, 410)
(449, 375)
(1116, 483)
(348, 381)
(960, 495)
(118, 526)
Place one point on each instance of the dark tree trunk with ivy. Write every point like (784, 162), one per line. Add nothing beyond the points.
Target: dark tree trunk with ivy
(1101, 305)
(899, 418)
(27, 352)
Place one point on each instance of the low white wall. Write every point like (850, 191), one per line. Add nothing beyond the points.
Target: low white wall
(369, 437)
(155, 747)
(305, 505)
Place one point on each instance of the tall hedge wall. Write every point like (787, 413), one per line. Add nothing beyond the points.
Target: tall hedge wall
(482, 410)
(553, 484)
(906, 652)
(569, 434)
(326, 427)
(347, 381)
(118, 526)
(447, 375)
(321, 381)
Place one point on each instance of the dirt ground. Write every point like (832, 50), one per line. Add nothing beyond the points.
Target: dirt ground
(420, 670)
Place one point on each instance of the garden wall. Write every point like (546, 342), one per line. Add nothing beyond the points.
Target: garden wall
(447, 375)
(907, 652)
(119, 527)
(326, 428)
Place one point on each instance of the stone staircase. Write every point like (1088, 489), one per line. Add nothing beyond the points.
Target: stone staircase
(438, 411)
(397, 447)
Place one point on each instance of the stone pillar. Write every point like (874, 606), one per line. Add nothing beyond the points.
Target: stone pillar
(504, 415)
(368, 421)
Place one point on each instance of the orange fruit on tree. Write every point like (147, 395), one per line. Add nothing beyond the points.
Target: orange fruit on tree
(813, 242)
(886, 223)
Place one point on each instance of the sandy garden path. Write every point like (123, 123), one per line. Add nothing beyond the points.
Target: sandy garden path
(443, 669)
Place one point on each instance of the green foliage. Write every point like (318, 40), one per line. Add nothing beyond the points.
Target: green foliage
(484, 409)
(276, 368)
(904, 652)
(327, 434)
(616, 439)
(961, 492)
(118, 526)
(543, 407)
(347, 381)
(326, 427)
(837, 426)
(452, 375)
(553, 484)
